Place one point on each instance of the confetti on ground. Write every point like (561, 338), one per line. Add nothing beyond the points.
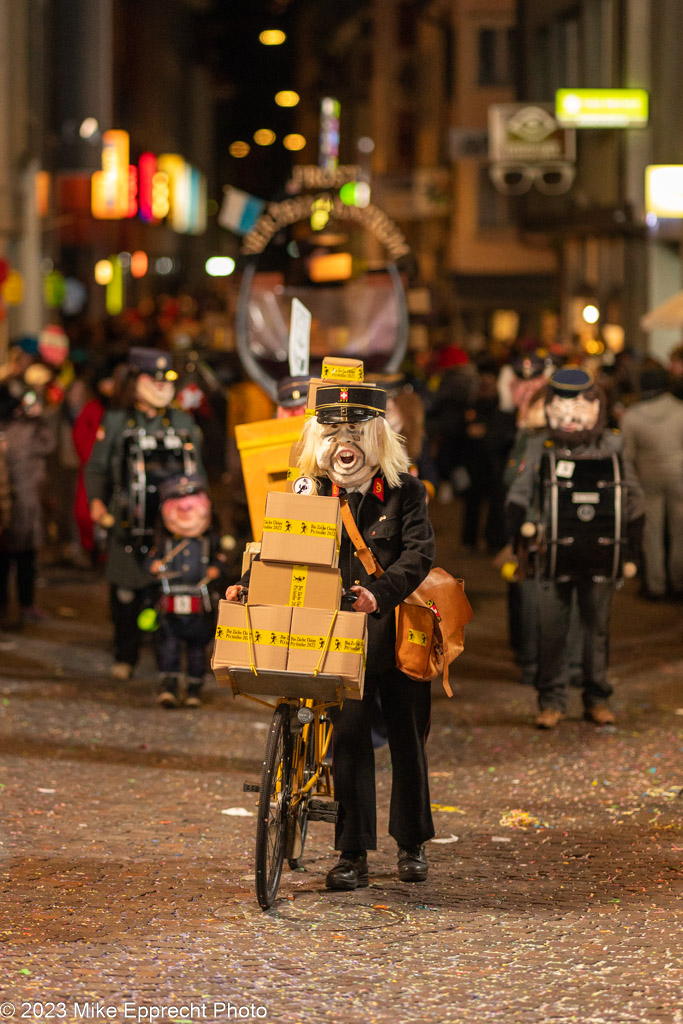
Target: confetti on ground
(238, 812)
(520, 819)
(447, 809)
(447, 839)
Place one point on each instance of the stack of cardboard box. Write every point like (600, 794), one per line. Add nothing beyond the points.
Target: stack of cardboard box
(292, 622)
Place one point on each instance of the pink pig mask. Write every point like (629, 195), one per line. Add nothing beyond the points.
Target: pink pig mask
(188, 515)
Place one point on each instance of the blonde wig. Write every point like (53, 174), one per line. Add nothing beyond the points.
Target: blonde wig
(392, 457)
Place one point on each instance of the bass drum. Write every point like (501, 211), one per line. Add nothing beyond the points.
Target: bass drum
(148, 460)
(582, 501)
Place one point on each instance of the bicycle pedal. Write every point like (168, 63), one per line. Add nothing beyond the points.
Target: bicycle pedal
(251, 787)
(323, 810)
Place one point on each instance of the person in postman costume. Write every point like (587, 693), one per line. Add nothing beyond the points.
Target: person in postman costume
(186, 559)
(349, 448)
(136, 447)
(578, 499)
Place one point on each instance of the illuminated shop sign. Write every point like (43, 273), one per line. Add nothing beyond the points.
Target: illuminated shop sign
(602, 108)
(664, 190)
(157, 188)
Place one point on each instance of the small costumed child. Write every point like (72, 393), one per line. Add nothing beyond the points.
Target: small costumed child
(186, 559)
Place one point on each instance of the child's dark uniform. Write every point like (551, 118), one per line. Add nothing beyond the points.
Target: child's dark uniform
(186, 618)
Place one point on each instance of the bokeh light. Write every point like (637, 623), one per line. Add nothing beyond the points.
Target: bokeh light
(590, 313)
(272, 37)
(103, 271)
(239, 149)
(287, 98)
(138, 263)
(264, 137)
(89, 127)
(219, 266)
(294, 142)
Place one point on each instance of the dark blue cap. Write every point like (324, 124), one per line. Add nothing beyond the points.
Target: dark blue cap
(153, 361)
(570, 381)
(179, 486)
(292, 392)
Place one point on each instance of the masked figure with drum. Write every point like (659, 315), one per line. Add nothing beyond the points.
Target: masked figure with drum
(137, 447)
(577, 503)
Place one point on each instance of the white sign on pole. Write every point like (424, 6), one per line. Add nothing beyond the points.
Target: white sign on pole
(299, 339)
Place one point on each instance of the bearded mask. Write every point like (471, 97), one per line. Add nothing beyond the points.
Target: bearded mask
(154, 392)
(573, 408)
(188, 515)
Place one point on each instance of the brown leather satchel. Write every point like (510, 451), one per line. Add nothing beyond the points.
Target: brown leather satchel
(430, 623)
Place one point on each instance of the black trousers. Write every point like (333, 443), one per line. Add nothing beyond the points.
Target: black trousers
(191, 632)
(125, 605)
(594, 603)
(26, 577)
(406, 707)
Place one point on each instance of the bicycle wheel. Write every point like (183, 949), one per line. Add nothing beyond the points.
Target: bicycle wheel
(273, 806)
(298, 824)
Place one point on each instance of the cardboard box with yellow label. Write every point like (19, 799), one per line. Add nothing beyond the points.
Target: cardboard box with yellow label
(296, 585)
(338, 368)
(343, 654)
(305, 529)
(255, 636)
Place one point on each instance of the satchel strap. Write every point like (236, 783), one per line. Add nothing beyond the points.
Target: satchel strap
(366, 556)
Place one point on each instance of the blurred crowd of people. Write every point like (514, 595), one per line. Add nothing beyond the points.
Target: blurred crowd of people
(467, 420)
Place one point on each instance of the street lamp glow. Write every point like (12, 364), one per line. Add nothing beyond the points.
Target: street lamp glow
(287, 98)
(239, 149)
(272, 37)
(89, 127)
(294, 142)
(219, 266)
(591, 314)
(264, 137)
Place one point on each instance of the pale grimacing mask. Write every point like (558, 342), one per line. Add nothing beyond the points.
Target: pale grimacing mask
(349, 452)
(572, 415)
(157, 393)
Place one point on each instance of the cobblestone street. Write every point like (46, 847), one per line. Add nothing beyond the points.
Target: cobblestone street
(555, 884)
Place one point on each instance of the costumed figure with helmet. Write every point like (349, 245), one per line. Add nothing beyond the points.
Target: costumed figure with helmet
(348, 448)
(136, 448)
(186, 559)
(577, 503)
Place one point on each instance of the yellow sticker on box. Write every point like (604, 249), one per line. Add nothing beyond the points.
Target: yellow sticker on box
(257, 636)
(342, 372)
(337, 645)
(300, 527)
(297, 590)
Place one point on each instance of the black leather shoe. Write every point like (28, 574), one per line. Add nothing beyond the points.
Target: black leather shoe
(412, 864)
(350, 873)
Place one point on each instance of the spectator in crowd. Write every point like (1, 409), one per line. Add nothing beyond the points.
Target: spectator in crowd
(488, 434)
(676, 372)
(653, 439)
(27, 440)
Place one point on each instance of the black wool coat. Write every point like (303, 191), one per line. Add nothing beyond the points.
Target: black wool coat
(395, 526)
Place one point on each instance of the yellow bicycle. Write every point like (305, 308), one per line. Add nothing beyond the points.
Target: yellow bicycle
(296, 784)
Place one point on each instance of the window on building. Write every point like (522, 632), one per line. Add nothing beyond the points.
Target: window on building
(495, 57)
